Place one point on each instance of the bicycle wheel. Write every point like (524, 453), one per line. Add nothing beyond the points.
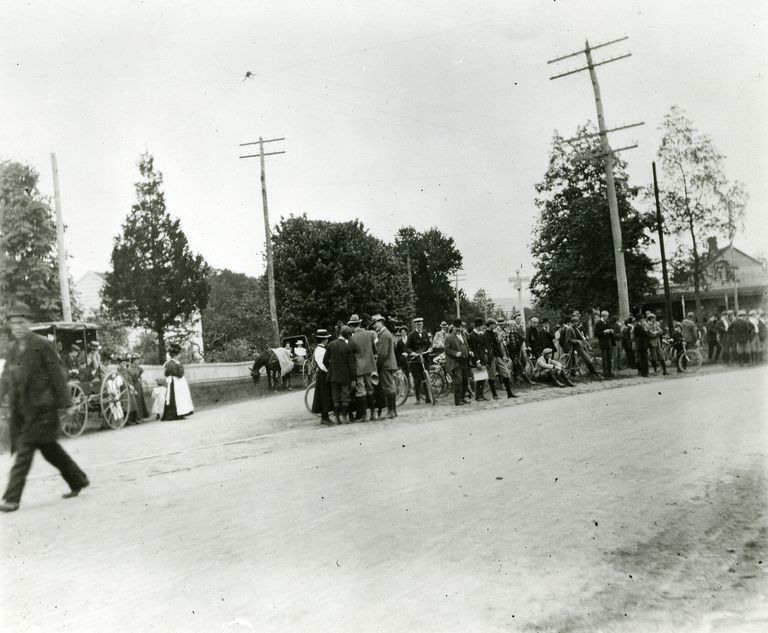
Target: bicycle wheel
(693, 360)
(309, 396)
(115, 400)
(75, 424)
(436, 383)
(402, 388)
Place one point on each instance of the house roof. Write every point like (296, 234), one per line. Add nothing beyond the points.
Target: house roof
(721, 252)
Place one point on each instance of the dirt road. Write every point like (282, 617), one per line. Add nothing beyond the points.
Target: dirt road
(631, 509)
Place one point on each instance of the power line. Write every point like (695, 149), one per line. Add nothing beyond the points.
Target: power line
(607, 156)
(267, 232)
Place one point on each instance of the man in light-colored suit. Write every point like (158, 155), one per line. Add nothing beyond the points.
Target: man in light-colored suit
(456, 359)
(363, 343)
(386, 363)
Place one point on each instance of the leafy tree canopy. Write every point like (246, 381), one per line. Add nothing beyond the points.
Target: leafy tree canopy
(433, 259)
(155, 279)
(327, 271)
(236, 320)
(29, 269)
(573, 245)
(698, 200)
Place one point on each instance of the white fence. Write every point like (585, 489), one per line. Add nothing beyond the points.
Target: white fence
(203, 372)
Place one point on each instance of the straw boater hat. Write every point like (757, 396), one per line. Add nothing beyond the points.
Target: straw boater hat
(443, 324)
(322, 334)
(354, 320)
(94, 345)
(418, 320)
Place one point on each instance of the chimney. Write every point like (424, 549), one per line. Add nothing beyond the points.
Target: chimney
(711, 246)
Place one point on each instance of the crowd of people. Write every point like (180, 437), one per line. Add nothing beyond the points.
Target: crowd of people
(356, 365)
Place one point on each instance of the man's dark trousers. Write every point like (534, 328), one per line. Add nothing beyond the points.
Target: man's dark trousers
(642, 358)
(606, 349)
(54, 454)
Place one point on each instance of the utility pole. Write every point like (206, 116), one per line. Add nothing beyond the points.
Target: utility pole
(458, 277)
(660, 228)
(66, 305)
(607, 156)
(518, 281)
(267, 233)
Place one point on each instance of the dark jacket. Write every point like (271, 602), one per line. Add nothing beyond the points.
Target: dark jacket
(35, 382)
(402, 361)
(533, 340)
(456, 351)
(547, 340)
(604, 333)
(742, 331)
(478, 346)
(494, 344)
(340, 360)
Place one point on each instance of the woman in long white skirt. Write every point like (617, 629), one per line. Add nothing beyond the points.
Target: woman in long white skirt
(178, 400)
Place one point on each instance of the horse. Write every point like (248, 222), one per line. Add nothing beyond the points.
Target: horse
(268, 360)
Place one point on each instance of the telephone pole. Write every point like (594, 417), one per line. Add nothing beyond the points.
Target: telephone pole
(66, 304)
(607, 155)
(660, 228)
(267, 232)
(518, 281)
(458, 276)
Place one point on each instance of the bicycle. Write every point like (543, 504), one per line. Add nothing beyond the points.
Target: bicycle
(574, 365)
(425, 372)
(689, 360)
(442, 381)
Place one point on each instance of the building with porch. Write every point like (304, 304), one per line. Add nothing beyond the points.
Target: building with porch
(733, 280)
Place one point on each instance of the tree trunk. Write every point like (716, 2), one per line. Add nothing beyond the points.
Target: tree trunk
(160, 331)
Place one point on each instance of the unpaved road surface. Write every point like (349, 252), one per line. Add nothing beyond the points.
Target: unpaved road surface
(635, 506)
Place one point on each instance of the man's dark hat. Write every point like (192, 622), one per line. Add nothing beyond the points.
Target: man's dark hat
(19, 310)
(490, 322)
(458, 323)
(479, 321)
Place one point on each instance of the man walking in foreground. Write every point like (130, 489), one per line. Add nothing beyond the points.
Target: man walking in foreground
(34, 381)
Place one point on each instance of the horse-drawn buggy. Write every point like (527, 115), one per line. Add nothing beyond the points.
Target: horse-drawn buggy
(94, 389)
(294, 356)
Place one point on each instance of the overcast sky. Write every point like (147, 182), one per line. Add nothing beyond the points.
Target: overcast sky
(424, 113)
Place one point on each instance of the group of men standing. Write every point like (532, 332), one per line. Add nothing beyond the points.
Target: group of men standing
(355, 372)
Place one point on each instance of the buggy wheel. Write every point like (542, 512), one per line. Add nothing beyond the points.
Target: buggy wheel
(402, 388)
(693, 360)
(74, 425)
(436, 384)
(115, 400)
(309, 396)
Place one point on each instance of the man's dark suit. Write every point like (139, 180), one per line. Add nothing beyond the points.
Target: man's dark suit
(340, 361)
(478, 347)
(604, 335)
(34, 380)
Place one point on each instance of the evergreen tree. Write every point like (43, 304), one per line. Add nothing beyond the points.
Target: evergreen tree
(155, 278)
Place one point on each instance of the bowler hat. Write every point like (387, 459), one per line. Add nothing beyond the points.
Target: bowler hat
(458, 323)
(19, 310)
(490, 322)
(479, 321)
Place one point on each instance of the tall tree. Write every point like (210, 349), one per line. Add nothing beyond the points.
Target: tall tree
(573, 245)
(236, 320)
(155, 278)
(697, 198)
(29, 270)
(326, 271)
(433, 258)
